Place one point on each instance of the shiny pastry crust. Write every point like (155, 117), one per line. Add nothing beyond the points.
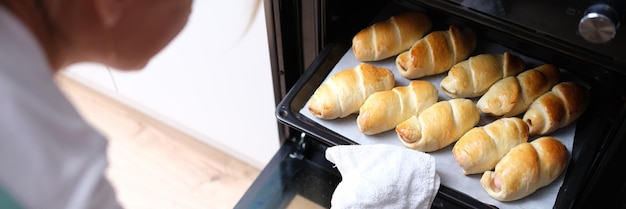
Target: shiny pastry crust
(481, 148)
(512, 95)
(526, 168)
(390, 37)
(557, 108)
(438, 125)
(383, 110)
(474, 76)
(344, 92)
(437, 52)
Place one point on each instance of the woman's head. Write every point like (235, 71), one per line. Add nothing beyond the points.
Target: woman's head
(124, 34)
(139, 29)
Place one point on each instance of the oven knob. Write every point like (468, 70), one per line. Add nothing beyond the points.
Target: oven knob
(599, 24)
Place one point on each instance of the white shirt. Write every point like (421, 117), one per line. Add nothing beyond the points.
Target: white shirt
(49, 156)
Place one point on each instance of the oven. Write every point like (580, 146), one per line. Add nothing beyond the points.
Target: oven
(311, 39)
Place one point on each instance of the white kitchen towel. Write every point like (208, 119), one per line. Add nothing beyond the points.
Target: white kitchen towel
(383, 176)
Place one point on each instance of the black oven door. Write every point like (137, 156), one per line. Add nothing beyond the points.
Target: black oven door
(299, 176)
(296, 177)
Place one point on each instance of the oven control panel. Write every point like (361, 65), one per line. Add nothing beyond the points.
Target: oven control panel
(599, 23)
(588, 24)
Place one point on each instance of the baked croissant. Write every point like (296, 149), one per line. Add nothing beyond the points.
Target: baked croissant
(526, 168)
(512, 95)
(557, 108)
(388, 38)
(436, 52)
(344, 92)
(481, 148)
(474, 76)
(383, 110)
(439, 125)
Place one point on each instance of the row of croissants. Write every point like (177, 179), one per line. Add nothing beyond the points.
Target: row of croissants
(512, 166)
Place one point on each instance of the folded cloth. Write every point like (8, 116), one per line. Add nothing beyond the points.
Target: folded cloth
(383, 176)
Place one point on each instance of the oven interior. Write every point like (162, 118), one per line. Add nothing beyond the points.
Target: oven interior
(545, 36)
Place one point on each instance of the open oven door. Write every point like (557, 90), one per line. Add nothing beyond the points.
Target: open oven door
(299, 177)
(294, 178)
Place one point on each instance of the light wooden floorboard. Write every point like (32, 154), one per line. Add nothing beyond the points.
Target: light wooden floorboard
(155, 166)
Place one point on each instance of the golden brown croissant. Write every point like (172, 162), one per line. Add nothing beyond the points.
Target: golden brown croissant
(481, 148)
(474, 76)
(512, 95)
(383, 110)
(557, 108)
(526, 168)
(344, 92)
(439, 125)
(388, 38)
(436, 52)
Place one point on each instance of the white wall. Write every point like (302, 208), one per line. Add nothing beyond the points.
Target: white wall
(213, 81)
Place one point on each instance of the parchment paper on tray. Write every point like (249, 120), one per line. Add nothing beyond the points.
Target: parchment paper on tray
(450, 172)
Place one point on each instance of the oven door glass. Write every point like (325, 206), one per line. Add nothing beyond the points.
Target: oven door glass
(297, 177)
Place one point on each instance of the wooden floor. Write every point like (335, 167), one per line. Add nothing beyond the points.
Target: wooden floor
(154, 166)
